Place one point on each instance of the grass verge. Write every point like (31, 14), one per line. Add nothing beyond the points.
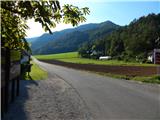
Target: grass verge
(151, 79)
(155, 79)
(36, 73)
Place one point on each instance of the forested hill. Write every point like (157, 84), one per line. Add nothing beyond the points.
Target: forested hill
(70, 39)
(135, 41)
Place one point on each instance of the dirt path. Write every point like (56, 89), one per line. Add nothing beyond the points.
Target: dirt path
(51, 99)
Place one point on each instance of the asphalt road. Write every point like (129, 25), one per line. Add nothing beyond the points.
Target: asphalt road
(111, 99)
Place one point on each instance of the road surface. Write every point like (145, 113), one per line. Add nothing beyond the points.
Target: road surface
(111, 99)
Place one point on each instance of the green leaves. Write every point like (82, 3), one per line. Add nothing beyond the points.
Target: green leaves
(47, 12)
(13, 30)
(74, 15)
(85, 10)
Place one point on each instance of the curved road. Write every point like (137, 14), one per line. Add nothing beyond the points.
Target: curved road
(111, 99)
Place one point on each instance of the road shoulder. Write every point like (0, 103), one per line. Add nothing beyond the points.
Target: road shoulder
(47, 100)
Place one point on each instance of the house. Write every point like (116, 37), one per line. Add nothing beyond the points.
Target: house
(156, 56)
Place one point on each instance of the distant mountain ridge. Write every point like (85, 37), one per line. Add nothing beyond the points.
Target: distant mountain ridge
(30, 40)
(70, 39)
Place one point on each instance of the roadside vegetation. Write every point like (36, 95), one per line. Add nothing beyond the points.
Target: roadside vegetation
(36, 73)
(73, 57)
(155, 79)
(151, 79)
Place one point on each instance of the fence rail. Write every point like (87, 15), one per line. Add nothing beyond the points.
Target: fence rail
(10, 77)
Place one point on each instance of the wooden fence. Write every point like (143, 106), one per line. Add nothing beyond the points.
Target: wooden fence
(10, 77)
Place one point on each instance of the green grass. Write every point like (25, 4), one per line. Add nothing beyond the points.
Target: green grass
(73, 57)
(36, 73)
(151, 79)
(155, 79)
(68, 55)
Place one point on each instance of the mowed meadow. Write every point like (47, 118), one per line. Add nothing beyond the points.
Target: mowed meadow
(74, 57)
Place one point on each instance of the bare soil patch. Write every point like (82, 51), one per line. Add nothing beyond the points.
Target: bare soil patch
(131, 71)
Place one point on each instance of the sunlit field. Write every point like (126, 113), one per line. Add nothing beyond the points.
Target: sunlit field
(73, 57)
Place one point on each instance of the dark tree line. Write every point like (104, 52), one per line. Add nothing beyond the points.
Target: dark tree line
(132, 42)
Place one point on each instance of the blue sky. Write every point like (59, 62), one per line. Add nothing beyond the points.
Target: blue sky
(117, 11)
(121, 13)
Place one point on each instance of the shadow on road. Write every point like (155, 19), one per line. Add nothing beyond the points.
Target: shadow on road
(16, 109)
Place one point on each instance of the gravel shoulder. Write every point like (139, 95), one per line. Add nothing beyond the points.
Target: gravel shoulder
(51, 99)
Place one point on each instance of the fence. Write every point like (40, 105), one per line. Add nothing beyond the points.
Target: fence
(10, 77)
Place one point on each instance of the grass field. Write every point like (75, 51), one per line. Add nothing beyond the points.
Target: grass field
(36, 73)
(73, 57)
(68, 55)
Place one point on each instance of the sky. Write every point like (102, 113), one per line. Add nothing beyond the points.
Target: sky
(121, 12)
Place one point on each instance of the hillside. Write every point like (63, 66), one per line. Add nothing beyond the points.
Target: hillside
(134, 42)
(73, 38)
(31, 40)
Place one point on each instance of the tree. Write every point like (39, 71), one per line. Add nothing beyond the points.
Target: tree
(85, 50)
(137, 40)
(133, 42)
(48, 13)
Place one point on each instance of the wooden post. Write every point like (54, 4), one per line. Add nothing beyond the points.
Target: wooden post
(3, 55)
(154, 56)
(13, 90)
(7, 73)
(158, 70)
(18, 81)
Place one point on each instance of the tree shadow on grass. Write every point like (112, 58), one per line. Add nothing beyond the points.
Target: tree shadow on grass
(17, 109)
